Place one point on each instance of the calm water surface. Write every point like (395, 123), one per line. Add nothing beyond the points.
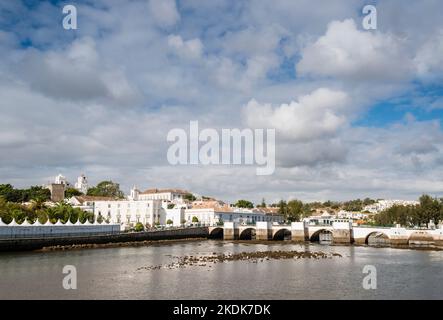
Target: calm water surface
(111, 273)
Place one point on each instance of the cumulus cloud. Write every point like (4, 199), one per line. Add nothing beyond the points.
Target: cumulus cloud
(61, 94)
(192, 48)
(164, 12)
(429, 58)
(316, 115)
(75, 73)
(349, 53)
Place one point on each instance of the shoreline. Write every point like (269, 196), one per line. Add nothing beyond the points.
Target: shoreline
(146, 243)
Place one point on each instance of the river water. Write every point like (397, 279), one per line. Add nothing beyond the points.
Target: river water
(112, 273)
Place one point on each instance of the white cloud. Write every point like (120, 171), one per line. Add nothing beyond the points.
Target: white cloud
(316, 115)
(164, 12)
(60, 94)
(429, 58)
(192, 48)
(345, 52)
(76, 73)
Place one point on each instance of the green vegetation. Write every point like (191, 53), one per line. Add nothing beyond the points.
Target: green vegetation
(293, 210)
(72, 192)
(171, 206)
(194, 219)
(169, 221)
(244, 204)
(409, 216)
(190, 197)
(262, 204)
(139, 227)
(36, 210)
(357, 205)
(106, 189)
(10, 194)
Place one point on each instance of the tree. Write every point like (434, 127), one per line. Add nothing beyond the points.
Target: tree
(244, 204)
(194, 219)
(295, 210)
(106, 189)
(282, 208)
(353, 205)
(72, 192)
(139, 227)
(10, 194)
(430, 209)
(189, 197)
(169, 221)
(262, 204)
(36, 193)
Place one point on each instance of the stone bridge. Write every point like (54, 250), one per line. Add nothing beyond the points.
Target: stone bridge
(340, 232)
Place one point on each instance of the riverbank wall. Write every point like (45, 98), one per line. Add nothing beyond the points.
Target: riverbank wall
(35, 243)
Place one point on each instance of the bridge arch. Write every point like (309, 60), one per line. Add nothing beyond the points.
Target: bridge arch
(282, 234)
(216, 233)
(247, 234)
(377, 238)
(322, 235)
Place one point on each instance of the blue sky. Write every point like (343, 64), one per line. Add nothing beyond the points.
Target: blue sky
(357, 112)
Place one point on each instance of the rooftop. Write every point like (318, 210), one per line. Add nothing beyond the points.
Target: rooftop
(153, 191)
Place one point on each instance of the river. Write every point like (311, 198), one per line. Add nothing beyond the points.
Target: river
(113, 273)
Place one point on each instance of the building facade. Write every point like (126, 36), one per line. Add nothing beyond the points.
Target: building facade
(128, 213)
(172, 195)
(214, 216)
(82, 184)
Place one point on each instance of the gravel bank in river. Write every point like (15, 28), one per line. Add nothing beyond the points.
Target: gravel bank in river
(254, 257)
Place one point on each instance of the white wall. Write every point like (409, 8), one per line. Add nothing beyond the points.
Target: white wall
(129, 212)
(176, 215)
(49, 231)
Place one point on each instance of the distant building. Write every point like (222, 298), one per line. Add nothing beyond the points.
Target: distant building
(82, 184)
(381, 205)
(213, 212)
(128, 213)
(60, 179)
(58, 188)
(57, 191)
(86, 203)
(173, 195)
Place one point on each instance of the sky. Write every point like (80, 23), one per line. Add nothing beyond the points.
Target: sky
(357, 113)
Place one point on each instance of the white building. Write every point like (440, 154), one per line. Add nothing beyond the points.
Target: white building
(86, 203)
(127, 213)
(176, 215)
(381, 205)
(82, 184)
(173, 195)
(215, 212)
(60, 179)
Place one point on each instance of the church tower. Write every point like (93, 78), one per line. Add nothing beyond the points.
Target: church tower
(82, 184)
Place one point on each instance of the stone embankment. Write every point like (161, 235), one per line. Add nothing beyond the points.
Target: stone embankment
(102, 240)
